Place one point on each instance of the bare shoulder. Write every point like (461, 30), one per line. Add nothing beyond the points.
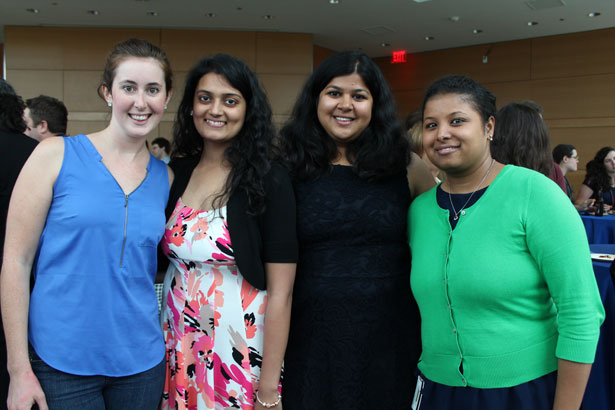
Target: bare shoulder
(46, 159)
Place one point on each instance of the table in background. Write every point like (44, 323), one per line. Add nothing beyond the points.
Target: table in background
(600, 229)
(600, 392)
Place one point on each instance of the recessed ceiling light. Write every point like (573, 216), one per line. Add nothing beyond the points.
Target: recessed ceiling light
(429, 38)
(239, 8)
(93, 12)
(210, 15)
(562, 19)
(55, 3)
(594, 14)
(477, 31)
(152, 13)
(454, 19)
(532, 23)
(385, 44)
(421, 1)
(334, 1)
(268, 17)
(31, 10)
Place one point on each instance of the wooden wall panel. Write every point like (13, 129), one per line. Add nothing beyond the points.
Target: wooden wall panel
(282, 90)
(84, 127)
(80, 91)
(509, 61)
(576, 97)
(320, 54)
(32, 83)
(185, 47)
(284, 53)
(577, 54)
(34, 48)
(87, 49)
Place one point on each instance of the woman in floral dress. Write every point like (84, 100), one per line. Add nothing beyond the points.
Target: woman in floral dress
(231, 240)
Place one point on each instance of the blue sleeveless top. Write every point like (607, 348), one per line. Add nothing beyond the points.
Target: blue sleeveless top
(93, 310)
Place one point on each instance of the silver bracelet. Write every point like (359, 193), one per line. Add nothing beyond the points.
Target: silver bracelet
(269, 405)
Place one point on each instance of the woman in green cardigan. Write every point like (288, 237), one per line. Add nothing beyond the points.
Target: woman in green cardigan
(501, 271)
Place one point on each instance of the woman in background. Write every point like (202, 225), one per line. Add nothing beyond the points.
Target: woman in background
(231, 240)
(88, 212)
(354, 338)
(510, 317)
(599, 179)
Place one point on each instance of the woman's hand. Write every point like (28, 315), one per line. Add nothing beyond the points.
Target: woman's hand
(269, 396)
(25, 391)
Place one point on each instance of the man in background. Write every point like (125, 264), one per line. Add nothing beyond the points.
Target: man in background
(161, 148)
(45, 117)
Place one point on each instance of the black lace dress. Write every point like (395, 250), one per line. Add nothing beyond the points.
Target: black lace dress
(355, 329)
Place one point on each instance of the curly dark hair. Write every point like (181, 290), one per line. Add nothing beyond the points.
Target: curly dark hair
(250, 150)
(596, 171)
(382, 148)
(11, 113)
(521, 138)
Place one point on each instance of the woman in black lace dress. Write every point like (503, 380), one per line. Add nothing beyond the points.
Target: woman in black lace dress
(354, 340)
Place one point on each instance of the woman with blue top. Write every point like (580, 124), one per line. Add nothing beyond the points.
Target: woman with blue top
(510, 310)
(87, 214)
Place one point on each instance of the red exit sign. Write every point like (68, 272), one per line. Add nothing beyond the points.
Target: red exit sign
(398, 57)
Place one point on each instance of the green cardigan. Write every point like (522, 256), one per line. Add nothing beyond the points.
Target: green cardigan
(509, 290)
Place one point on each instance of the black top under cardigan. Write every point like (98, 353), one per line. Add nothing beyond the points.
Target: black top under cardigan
(268, 237)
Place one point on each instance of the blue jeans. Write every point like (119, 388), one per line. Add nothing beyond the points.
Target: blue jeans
(63, 391)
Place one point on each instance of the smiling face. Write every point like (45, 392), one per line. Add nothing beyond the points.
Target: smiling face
(138, 96)
(219, 109)
(345, 108)
(455, 138)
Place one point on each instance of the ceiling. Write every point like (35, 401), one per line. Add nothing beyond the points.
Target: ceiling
(378, 27)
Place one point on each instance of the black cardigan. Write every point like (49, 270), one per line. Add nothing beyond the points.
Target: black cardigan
(256, 240)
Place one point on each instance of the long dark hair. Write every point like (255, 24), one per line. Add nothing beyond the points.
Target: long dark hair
(249, 151)
(381, 149)
(596, 172)
(521, 138)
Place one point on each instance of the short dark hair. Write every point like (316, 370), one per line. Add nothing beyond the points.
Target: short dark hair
(11, 113)
(382, 148)
(6, 88)
(249, 151)
(521, 138)
(134, 47)
(48, 109)
(561, 151)
(162, 143)
(474, 93)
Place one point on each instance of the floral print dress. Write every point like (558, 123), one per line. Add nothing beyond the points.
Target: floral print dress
(212, 317)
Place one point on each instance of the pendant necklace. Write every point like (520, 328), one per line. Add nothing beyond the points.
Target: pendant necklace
(471, 195)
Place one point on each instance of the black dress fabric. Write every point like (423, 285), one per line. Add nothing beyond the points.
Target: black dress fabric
(355, 329)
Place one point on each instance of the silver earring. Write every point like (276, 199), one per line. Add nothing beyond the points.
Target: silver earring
(109, 103)
(165, 107)
(491, 137)
(191, 113)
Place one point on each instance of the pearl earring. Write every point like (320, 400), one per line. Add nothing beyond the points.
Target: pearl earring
(191, 113)
(109, 103)
(491, 137)
(165, 107)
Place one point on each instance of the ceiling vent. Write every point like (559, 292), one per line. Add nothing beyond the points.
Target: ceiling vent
(544, 4)
(377, 30)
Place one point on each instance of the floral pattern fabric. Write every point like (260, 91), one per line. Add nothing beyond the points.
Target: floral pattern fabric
(212, 317)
